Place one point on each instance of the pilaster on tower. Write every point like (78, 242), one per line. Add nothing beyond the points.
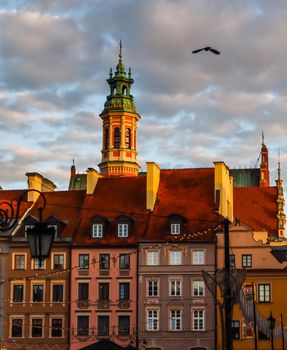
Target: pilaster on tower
(264, 166)
(119, 153)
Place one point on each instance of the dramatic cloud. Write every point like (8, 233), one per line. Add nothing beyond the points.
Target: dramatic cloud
(195, 109)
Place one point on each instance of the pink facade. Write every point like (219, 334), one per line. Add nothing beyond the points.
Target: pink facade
(103, 296)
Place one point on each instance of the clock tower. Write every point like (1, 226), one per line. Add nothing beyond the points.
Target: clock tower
(119, 154)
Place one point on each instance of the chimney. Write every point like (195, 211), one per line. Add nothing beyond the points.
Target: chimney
(152, 184)
(37, 182)
(92, 179)
(223, 190)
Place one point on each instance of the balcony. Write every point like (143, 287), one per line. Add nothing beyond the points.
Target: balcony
(83, 304)
(104, 304)
(124, 304)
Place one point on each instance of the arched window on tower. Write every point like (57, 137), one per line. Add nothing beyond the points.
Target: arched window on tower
(117, 138)
(128, 138)
(107, 138)
(124, 90)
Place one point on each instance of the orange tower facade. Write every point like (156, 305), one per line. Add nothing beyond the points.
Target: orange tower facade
(119, 154)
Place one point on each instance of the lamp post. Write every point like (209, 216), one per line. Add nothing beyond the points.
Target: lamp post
(40, 237)
(271, 320)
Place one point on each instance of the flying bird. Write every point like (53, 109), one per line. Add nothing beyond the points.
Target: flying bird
(208, 48)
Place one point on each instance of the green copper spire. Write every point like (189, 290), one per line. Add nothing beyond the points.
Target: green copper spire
(120, 82)
(120, 66)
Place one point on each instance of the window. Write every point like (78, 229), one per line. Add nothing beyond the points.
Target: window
(107, 138)
(247, 260)
(104, 262)
(264, 293)
(175, 258)
(83, 291)
(103, 325)
(58, 261)
(232, 260)
(117, 138)
(153, 288)
(175, 288)
(153, 258)
(153, 320)
(235, 330)
(98, 230)
(57, 327)
(58, 293)
(84, 261)
(128, 138)
(123, 230)
(124, 326)
(38, 293)
(19, 262)
(104, 291)
(124, 291)
(124, 261)
(175, 320)
(198, 320)
(198, 288)
(18, 293)
(37, 327)
(175, 229)
(198, 257)
(37, 264)
(17, 328)
(83, 325)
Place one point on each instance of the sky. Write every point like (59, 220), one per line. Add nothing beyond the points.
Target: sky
(195, 109)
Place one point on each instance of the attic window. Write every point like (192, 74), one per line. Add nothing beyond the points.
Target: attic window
(175, 229)
(98, 230)
(27, 227)
(124, 225)
(176, 224)
(98, 227)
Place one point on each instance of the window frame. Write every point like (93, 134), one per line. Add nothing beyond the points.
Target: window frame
(100, 333)
(98, 230)
(85, 296)
(175, 318)
(53, 284)
(235, 330)
(42, 319)
(11, 319)
(125, 332)
(117, 137)
(153, 258)
(55, 317)
(175, 228)
(265, 300)
(13, 285)
(15, 265)
(196, 319)
(198, 257)
(198, 285)
(82, 264)
(152, 319)
(34, 294)
(104, 259)
(152, 288)
(125, 293)
(126, 265)
(86, 331)
(175, 286)
(175, 257)
(100, 295)
(54, 255)
(246, 260)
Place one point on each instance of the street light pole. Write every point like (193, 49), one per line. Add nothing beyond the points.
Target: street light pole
(227, 290)
(271, 320)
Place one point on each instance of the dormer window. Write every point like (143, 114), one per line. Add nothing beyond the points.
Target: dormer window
(175, 229)
(124, 226)
(98, 226)
(28, 227)
(123, 230)
(176, 223)
(98, 230)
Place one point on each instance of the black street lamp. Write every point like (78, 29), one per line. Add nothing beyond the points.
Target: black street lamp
(40, 237)
(271, 320)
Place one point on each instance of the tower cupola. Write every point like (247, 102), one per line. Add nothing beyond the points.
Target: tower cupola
(119, 155)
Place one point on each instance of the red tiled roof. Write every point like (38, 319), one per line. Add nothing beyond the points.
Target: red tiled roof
(9, 196)
(257, 207)
(187, 192)
(64, 205)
